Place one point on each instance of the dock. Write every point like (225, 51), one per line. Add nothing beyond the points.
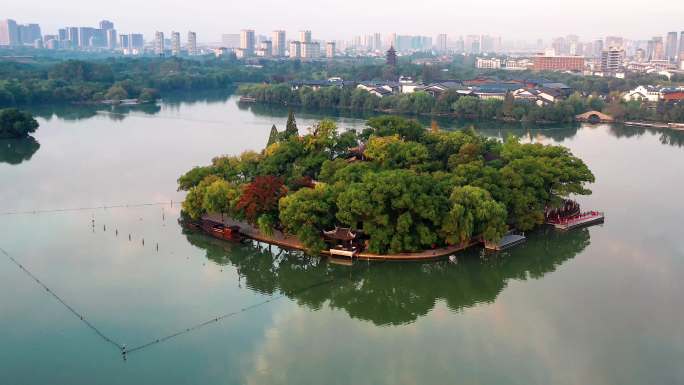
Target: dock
(508, 241)
(581, 220)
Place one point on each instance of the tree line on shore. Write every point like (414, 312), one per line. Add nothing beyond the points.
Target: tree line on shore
(406, 188)
(451, 103)
(113, 79)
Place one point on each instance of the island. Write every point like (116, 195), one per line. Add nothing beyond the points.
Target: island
(394, 190)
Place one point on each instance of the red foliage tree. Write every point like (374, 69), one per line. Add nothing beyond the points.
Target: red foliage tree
(261, 197)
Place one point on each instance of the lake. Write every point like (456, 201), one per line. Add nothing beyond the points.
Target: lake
(600, 305)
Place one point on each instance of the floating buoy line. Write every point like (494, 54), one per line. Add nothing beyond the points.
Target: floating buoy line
(125, 350)
(104, 207)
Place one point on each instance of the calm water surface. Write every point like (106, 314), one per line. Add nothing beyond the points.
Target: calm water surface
(595, 306)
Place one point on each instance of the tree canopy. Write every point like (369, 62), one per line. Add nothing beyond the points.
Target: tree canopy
(16, 124)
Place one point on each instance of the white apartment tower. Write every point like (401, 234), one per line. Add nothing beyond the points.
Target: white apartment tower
(295, 50)
(330, 49)
(311, 50)
(192, 43)
(279, 43)
(159, 43)
(305, 36)
(175, 43)
(247, 41)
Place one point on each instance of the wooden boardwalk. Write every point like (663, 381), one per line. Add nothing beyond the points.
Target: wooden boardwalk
(290, 242)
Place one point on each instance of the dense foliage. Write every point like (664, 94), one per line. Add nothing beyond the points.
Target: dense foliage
(115, 79)
(16, 124)
(406, 188)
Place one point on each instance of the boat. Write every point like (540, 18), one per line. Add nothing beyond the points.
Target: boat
(221, 231)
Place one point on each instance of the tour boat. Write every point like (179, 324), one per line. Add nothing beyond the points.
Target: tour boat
(221, 231)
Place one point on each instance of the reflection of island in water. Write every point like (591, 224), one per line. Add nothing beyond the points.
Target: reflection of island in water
(393, 294)
(16, 151)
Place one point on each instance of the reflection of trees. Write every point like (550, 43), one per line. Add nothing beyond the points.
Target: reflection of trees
(672, 137)
(15, 151)
(392, 294)
(665, 135)
(626, 131)
(280, 111)
(175, 100)
(147, 108)
(65, 112)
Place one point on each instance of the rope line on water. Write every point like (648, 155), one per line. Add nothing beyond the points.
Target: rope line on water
(58, 298)
(104, 207)
(224, 316)
(122, 347)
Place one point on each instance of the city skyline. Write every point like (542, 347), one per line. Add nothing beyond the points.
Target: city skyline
(589, 20)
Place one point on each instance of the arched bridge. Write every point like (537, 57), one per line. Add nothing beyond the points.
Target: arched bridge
(594, 117)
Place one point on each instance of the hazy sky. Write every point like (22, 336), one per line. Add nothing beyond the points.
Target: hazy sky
(336, 19)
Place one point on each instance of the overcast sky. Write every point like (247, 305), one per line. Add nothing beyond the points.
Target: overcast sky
(342, 19)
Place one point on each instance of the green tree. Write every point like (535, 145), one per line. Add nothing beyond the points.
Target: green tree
(399, 210)
(272, 136)
(291, 126)
(220, 197)
(394, 125)
(473, 212)
(307, 212)
(148, 95)
(16, 124)
(467, 107)
(116, 93)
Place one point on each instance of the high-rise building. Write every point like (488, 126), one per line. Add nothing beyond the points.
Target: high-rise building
(62, 34)
(29, 33)
(51, 41)
(265, 49)
(247, 41)
(111, 38)
(598, 48)
(72, 36)
(124, 42)
(85, 35)
(136, 41)
(192, 43)
(311, 50)
(175, 43)
(671, 46)
(159, 43)
(9, 32)
(279, 42)
(106, 24)
(330, 49)
(640, 55)
(658, 48)
(611, 59)
(295, 50)
(442, 42)
(305, 36)
(680, 52)
(377, 41)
